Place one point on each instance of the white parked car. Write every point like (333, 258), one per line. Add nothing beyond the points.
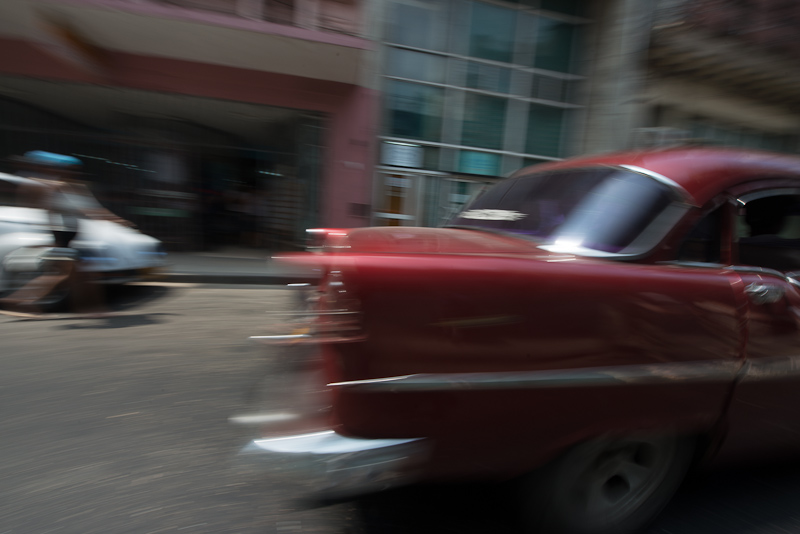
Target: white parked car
(116, 253)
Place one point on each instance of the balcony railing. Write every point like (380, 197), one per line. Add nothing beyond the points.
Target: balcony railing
(770, 25)
(337, 16)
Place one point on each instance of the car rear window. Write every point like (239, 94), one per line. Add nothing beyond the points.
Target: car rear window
(602, 209)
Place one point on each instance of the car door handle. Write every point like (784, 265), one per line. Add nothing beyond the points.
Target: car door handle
(764, 293)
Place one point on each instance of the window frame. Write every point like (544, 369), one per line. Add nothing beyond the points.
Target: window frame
(740, 201)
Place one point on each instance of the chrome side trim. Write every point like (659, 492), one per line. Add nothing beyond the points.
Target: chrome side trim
(764, 193)
(749, 269)
(696, 264)
(761, 369)
(683, 193)
(792, 277)
(286, 337)
(660, 373)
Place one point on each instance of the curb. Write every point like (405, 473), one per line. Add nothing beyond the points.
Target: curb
(243, 278)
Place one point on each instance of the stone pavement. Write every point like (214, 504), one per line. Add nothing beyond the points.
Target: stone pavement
(232, 266)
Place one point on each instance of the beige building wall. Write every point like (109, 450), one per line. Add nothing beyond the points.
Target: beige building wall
(709, 70)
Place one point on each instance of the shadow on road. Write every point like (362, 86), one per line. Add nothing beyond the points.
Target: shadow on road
(437, 509)
(742, 499)
(127, 296)
(119, 321)
(749, 498)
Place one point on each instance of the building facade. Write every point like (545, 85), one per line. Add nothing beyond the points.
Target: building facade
(204, 121)
(213, 122)
(472, 91)
(725, 72)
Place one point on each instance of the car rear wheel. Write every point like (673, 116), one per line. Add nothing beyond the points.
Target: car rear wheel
(606, 485)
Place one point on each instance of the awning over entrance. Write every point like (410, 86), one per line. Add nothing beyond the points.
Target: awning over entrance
(118, 108)
(79, 31)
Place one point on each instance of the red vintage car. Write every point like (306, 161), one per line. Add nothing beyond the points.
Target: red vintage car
(593, 327)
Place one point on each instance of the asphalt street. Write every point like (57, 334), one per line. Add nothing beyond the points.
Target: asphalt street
(120, 425)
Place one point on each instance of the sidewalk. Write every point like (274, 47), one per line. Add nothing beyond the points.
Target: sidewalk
(232, 266)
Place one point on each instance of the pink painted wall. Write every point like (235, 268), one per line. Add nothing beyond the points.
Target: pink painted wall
(327, 9)
(348, 161)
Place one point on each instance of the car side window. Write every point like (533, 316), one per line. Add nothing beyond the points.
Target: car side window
(702, 242)
(767, 232)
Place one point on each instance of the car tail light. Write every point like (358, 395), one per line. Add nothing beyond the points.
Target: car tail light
(293, 394)
(339, 318)
(328, 314)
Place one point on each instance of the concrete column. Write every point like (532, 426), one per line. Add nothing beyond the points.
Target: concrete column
(349, 160)
(616, 57)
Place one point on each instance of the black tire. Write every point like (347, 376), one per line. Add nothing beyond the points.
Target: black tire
(57, 300)
(606, 486)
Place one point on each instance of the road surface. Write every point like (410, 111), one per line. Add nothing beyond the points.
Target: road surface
(120, 425)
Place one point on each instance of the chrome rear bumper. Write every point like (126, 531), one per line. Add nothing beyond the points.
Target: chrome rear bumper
(329, 466)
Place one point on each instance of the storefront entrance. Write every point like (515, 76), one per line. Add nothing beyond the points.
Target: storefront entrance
(421, 198)
(182, 168)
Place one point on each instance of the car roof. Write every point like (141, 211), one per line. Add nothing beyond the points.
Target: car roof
(703, 172)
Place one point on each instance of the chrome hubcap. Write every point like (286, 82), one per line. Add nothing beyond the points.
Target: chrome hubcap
(613, 478)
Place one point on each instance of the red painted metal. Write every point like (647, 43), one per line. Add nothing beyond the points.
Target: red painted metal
(454, 301)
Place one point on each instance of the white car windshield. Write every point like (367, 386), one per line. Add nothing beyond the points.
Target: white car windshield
(603, 209)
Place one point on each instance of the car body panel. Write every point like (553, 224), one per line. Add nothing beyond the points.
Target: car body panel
(471, 325)
(503, 351)
(763, 414)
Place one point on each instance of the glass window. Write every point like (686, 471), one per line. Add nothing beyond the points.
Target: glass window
(473, 162)
(732, 137)
(484, 121)
(511, 164)
(550, 88)
(569, 7)
(430, 158)
(768, 233)
(415, 65)
(488, 77)
(491, 33)
(595, 209)
(554, 45)
(414, 110)
(779, 143)
(417, 26)
(448, 160)
(544, 130)
(530, 162)
(572, 90)
(751, 139)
